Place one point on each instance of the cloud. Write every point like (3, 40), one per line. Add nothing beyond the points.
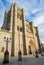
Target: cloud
(5, 3)
(2, 10)
(41, 31)
(39, 20)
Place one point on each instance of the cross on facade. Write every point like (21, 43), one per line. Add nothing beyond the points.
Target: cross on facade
(6, 39)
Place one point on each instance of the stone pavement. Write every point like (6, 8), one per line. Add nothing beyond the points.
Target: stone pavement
(25, 61)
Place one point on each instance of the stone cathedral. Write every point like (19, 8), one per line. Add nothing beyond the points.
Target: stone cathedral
(22, 34)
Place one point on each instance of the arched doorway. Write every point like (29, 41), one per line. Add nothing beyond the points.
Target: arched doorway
(29, 50)
(32, 46)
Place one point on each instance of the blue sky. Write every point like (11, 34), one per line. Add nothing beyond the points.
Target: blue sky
(34, 10)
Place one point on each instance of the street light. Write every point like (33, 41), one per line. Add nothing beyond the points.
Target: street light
(6, 54)
(19, 53)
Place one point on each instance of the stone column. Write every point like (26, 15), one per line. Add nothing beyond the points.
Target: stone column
(11, 18)
(14, 29)
(5, 20)
(11, 29)
(38, 38)
(32, 30)
(24, 33)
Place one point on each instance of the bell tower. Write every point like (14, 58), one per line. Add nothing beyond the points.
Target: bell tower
(17, 27)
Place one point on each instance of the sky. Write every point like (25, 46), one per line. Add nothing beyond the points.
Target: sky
(34, 10)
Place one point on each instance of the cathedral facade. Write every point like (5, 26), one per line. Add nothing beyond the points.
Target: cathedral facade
(22, 35)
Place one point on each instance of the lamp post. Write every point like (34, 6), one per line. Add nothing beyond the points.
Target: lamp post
(6, 54)
(19, 53)
(42, 50)
(36, 52)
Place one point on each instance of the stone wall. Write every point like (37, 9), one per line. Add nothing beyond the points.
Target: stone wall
(4, 33)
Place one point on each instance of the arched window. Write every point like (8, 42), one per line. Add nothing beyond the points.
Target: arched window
(19, 16)
(20, 28)
(17, 28)
(2, 49)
